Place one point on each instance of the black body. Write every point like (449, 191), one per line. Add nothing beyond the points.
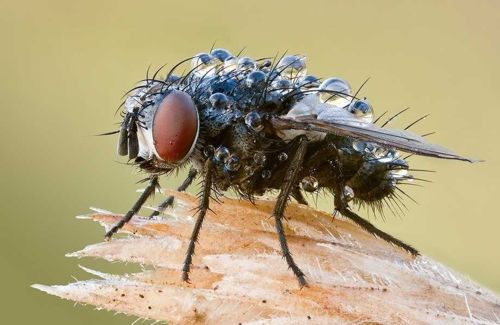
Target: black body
(250, 142)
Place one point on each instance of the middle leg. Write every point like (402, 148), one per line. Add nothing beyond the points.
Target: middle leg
(288, 185)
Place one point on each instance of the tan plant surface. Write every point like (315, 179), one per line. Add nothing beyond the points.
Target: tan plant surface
(239, 276)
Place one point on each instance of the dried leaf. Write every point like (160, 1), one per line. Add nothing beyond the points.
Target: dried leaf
(239, 276)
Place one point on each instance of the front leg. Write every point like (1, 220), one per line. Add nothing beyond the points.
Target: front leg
(150, 189)
(289, 182)
(170, 199)
(202, 210)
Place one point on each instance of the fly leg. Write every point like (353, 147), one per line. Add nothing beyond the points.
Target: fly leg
(342, 206)
(202, 210)
(298, 196)
(369, 227)
(153, 184)
(170, 199)
(286, 188)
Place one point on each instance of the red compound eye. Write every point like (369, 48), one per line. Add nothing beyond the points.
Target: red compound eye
(175, 127)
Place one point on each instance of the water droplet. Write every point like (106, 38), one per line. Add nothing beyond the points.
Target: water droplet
(255, 79)
(266, 174)
(172, 79)
(332, 90)
(259, 158)
(274, 97)
(253, 121)
(282, 84)
(309, 82)
(219, 101)
(221, 54)
(292, 66)
(133, 103)
(221, 154)
(372, 149)
(225, 86)
(359, 146)
(246, 64)
(393, 153)
(237, 114)
(379, 152)
(204, 63)
(399, 163)
(208, 151)
(282, 156)
(309, 184)
(362, 109)
(246, 186)
(230, 64)
(398, 173)
(265, 66)
(233, 163)
(348, 193)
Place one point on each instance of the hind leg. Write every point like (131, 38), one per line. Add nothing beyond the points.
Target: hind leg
(341, 202)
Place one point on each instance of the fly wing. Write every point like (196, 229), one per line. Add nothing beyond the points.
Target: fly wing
(342, 123)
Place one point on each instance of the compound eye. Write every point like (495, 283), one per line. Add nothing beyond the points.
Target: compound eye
(175, 127)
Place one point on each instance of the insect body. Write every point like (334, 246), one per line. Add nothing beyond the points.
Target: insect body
(254, 126)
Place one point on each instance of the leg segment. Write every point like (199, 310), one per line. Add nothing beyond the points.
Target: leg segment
(170, 199)
(288, 184)
(298, 196)
(369, 227)
(153, 184)
(342, 206)
(202, 210)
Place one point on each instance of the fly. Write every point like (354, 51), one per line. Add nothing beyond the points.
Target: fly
(256, 125)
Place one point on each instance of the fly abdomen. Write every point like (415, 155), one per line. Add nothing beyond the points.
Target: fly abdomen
(378, 177)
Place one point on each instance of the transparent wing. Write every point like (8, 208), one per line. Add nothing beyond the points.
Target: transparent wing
(342, 123)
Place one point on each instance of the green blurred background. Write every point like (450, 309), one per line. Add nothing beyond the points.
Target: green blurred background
(65, 65)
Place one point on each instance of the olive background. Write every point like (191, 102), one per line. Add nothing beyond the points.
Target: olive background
(66, 64)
